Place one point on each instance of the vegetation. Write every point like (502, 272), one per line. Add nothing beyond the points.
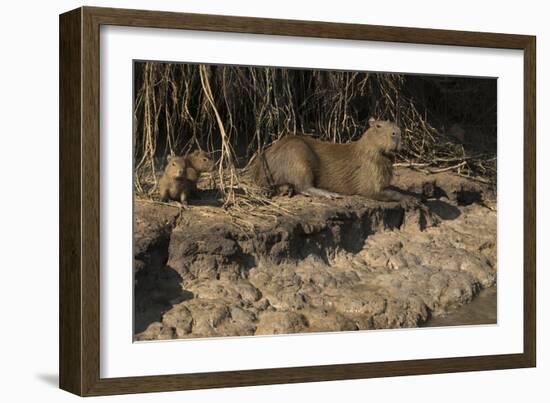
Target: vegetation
(449, 123)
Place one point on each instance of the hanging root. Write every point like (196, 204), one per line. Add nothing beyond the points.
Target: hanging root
(235, 112)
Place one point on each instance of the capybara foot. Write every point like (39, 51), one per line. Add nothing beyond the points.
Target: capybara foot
(321, 193)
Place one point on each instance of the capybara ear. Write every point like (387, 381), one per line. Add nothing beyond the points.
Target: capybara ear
(372, 121)
(169, 158)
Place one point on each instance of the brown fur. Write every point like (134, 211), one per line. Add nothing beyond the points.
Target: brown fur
(181, 174)
(315, 167)
(199, 161)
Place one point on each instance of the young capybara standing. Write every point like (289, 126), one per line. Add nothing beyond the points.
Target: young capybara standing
(319, 168)
(181, 175)
(176, 183)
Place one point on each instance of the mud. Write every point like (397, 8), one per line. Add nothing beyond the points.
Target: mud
(332, 265)
(481, 311)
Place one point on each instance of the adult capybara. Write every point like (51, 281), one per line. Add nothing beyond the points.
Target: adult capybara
(319, 168)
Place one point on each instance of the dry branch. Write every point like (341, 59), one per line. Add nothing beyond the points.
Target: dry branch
(235, 112)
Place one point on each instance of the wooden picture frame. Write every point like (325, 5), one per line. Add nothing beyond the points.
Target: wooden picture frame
(80, 184)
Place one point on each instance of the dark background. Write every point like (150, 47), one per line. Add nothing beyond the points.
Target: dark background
(447, 121)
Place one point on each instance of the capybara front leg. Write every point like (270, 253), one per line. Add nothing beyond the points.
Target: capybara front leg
(407, 201)
(164, 195)
(313, 191)
(183, 199)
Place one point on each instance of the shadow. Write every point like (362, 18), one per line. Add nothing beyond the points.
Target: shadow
(442, 209)
(430, 198)
(157, 287)
(467, 197)
(463, 197)
(49, 379)
(156, 290)
(207, 197)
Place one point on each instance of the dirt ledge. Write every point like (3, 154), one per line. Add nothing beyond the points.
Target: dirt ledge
(345, 264)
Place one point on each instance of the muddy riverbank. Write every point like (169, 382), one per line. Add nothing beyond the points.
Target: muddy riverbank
(330, 265)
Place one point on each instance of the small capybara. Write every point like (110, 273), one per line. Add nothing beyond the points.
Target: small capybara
(318, 168)
(181, 174)
(174, 183)
(200, 162)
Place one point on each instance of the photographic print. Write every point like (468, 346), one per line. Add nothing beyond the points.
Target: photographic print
(291, 201)
(271, 200)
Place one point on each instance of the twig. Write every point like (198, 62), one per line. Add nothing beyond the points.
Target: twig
(150, 201)
(451, 168)
(411, 164)
(475, 178)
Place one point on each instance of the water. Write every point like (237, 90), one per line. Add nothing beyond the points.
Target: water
(481, 311)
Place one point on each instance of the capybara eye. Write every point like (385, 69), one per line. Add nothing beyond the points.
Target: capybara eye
(379, 125)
